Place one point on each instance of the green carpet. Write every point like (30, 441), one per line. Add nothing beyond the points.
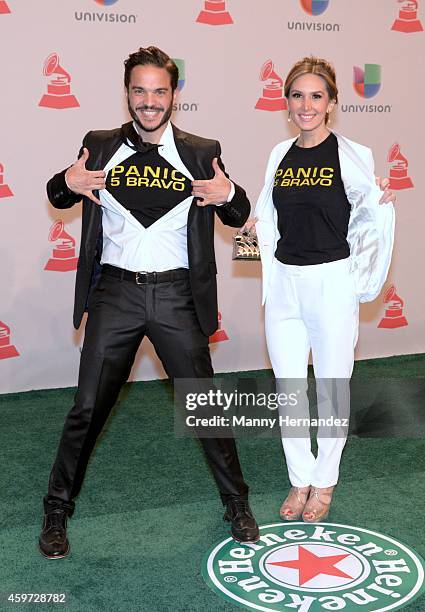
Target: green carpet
(149, 510)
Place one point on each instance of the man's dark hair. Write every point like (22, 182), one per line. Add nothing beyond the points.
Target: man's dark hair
(154, 57)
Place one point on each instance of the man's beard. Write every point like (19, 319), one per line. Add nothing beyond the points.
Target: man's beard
(165, 117)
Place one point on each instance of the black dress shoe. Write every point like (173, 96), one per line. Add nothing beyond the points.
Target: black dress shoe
(53, 542)
(244, 526)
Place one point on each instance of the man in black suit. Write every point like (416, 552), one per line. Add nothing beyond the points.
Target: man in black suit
(146, 268)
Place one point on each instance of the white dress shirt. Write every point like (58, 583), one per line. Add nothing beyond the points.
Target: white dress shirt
(127, 243)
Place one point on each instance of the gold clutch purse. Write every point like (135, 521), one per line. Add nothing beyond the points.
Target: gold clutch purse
(245, 246)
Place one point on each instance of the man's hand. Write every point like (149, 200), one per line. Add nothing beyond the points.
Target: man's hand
(388, 195)
(213, 191)
(82, 181)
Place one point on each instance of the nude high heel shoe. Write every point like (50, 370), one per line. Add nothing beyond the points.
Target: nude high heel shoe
(317, 507)
(293, 506)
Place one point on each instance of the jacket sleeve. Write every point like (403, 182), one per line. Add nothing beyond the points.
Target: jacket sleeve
(236, 212)
(373, 267)
(58, 192)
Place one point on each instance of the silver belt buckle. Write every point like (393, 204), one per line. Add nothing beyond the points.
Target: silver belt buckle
(138, 279)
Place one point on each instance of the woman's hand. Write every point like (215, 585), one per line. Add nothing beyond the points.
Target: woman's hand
(249, 226)
(388, 195)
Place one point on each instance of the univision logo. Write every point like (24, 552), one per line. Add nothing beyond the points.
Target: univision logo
(182, 72)
(367, 82)
(183, 106)
(105, 17)
(314, 7)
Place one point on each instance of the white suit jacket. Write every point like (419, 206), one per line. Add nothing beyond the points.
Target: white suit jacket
(371, 225)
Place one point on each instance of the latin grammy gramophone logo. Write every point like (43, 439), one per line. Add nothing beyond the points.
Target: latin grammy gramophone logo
(63, 257)
(272, 98)
(4, 8)
(220, 335)
(399, 178)
(5, 191)
(7, 349)
(214, 13)
(314, 7)
(393, 317)
(59, 87)
(407, 20)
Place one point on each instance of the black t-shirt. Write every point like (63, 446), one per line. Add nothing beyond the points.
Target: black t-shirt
(147, 185)
(312, 208)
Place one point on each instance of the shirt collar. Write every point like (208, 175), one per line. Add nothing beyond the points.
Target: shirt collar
(166, 140)
(166, 148)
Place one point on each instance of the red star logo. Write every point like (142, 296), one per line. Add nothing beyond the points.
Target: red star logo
(310, 565)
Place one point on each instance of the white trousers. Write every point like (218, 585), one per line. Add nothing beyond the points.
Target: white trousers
(312, 307)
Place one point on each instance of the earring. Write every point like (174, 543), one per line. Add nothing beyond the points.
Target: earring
(289, 117)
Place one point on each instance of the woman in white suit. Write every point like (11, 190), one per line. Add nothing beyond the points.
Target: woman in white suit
(325, 245)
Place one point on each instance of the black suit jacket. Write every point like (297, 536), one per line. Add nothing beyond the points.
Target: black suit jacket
(197, 154)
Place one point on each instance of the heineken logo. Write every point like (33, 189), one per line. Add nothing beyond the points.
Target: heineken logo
(305, 567)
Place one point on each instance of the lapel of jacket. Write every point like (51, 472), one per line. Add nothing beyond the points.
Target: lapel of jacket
(192, 156)
(92, 215)
(266, 214)
(264, 209)
(104, 149)
(168, 150)
(356, 169)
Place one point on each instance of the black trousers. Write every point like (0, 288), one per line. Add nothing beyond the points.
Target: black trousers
(120, 314)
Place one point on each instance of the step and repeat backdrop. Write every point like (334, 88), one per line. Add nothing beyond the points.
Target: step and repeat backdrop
(62, 75)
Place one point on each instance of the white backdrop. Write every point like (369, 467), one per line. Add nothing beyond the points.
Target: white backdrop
(222, 61)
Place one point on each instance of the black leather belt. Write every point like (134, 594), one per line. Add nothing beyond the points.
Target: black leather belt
(144, 278)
